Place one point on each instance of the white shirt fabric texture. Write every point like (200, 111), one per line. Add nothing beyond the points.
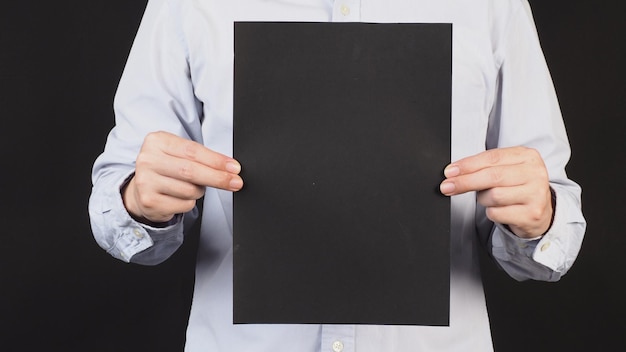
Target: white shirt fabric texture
(178, 78)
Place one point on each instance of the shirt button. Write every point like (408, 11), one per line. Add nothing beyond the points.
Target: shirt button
(138, 233)
(545, 246)
(345, 10)
(337, 346)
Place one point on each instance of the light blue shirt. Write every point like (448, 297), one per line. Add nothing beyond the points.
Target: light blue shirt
(178, 78)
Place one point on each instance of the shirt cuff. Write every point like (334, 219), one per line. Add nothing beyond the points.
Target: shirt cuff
(546, 257)
(133, 236)
(559, 246)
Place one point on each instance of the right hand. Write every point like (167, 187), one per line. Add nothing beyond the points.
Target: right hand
(172, 173)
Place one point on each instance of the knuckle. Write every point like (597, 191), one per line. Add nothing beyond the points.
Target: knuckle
(191, 191)
(188, 205)
(148, 201)
(542, 175)
(494, 156)
(223, 179)
(497, 196)
(142, 161)
(536, 213)
(159, 141)
(495, 176)
(199, 192)
(492, 213)
(186, 170)
(190, 150)
(140, 181)
(182, 206)
(153, 137)
(532, 152)
(532, 155)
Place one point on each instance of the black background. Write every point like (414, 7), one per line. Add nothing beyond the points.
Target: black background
(59, 67)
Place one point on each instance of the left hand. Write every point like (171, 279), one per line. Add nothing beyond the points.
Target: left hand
(511, 183)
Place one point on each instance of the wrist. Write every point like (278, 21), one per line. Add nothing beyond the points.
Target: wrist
(553, 209)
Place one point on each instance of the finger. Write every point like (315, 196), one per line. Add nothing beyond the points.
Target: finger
(186, 149)
(199, 174)
(168, 186)
(504, 196)
(491, 158)
(171, 165)
(525, 221)
(143, 201)
(496, 176)
(158, 207)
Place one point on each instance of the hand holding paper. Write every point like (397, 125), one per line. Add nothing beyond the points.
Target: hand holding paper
(172, 173)
(512, 183)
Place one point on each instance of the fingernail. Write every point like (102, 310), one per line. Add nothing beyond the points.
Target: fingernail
(447, 187)
(451, 171)
(233, 167)
(236, 183)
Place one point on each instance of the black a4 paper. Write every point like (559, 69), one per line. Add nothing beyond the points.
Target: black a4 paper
(343, 130)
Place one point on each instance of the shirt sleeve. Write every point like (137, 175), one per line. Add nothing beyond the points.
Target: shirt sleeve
(155, 93)
(527, 113)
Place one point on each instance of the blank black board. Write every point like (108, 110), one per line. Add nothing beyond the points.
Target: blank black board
(342, 130)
